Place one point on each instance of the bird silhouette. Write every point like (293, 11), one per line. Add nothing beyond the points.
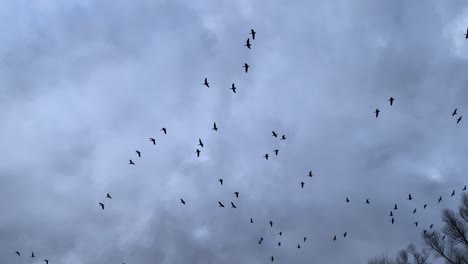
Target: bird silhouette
(182, 201)
(391, 100)
(233, 88)
(274, 134)
(466, 34)
(138, 153)
(271, 224)
(283, 137)
(233, 205)
(453, 193)
(220, 204)
(416, 223)
(302, 184)
(334, 238)
(298, 246)
(459, 119)
(280, 233)
(345, 233)
(266, 156)
(409, 197)
(237, 194)
(440, 199)
(17, 253)
(215, 128)
(102, 205)
(46, 261)
(32, 255)
(377, 111)
(367, 201)
(414, 211)
(260, 241)
(279, 244)
(276, 152)
(395, 208)
(206, 83)
(272, 258)
(425, 205)
(431, 226)
(198, 153)
(131, 162)
(391, 213)
(246, 66)
(393, 220)
(164, 130)
(251, 220)
(221, 181)
(454, 112)
(252, 32)
(347, 200)
(108, 196)
(153, 140)
(464, 188)
(305, 238)
(443, 237)
(200, 143)
(247, 44)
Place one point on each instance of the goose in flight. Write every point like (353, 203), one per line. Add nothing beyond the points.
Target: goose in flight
(414, 211)
(440, 199)
(395, 208)
(345, 233)
(131, 162)
(454, 112)
(138, 153)
(237, 194)
(233, 205)
(233, 88)
(466, 34)
(221, 181)
(108, 196)
(252, 32)
(310, 174)
(409, 197)
(302, 185)
(198, 153)
(464, 188)
(220, 204)
(251, 220)
(46, 261)
(271, 224)
(305, 238)
(347, 200)
(453, 193)
(393, 220)
(279, 244)
(215, 128)
(391, 213)
(367, 201)
(32, 255)
(431, 226)
(391, 100)
(248, 45)
(272, 258)
(17, 253)
(274, 134)
(266, 156)
(276, 152)
(153, 140)
(164, 130)
(377, 111)
(200, 143)
(206, 83)
(102, 205)
(298, 246)
(425, 205)
(182, 201)
(334, 238)
(246, 66)
(260, 241)
(416, 223)
(280, 233)
(459, 119)
(283, 137)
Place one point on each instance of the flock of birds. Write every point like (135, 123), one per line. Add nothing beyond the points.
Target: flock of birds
(266, 156)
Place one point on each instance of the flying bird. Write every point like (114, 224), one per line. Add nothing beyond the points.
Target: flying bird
(200, 143)
(414, 211)
(298, 246)
(206, 83)
(274, 134)
(260, 241)
(283, 137)
(305, 239)
(409, 197)
(153, 140)
(46, 261)
(440, 199)
(454, 112)
(182, 201)
(17, 253)
(302, 184)
(251, 220)
(443, 237)
(233, 205)
(334, 238)
(221, 181)
(271, 223)
(276, 152)
(246, 66)
(432, 225)
(102, 205)
(266, 156)
(220, 204)
(453, 193)
(466, 34)
(393, 220)
(310, 174)
(395, 208)
(215, 128)
(425, 205)
(279, 244)
(198, 153)
(131, 162)
(138, 153)
(280, 233)
(164, 130)
(391, 100)
(347, 200)
(344, 235)
(464, 188)
(459, 119)
(108, 196)
(416, 223)
(248, 45)
(237, 194)
(252, 32)
(391, 213)
(272, 258)
(32, 255)
(233, 88)
(377, 111)
(367, 201)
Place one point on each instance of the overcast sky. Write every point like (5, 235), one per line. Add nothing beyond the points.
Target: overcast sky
(83, 84)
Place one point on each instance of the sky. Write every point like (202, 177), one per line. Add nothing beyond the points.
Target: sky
(83, 84)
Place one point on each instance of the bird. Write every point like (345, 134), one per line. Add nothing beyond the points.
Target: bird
(131, 162)
(283, 137)
(310, 174)
(425, 205)
(334, 238)
(440, 199)
(198, 153)
(464, 188)
(409, 197)
(164, 130)
(453, 193)
(233, 88)
(251, 220)
(182, 201)
(298, 246)
(246, 66)
(102, 205)
(237, 194)
(302, 184)
(395, 208)
(17, 253)
(252, 32)
(416, 223)
(367, 201)
(206, 83)
(200, 143)
(276, 151)
(279, 244)
(215, 128)
(377, 111)
(280, 233)
(454, 112)
(391, 100)
(466, 34)
(393, 220)
(221, 181)
(345, 233)
(138, 153)
(46, 261)
(431, 226)
(153, 140)
(260, 241)
(233, 205)
(305, 239)
(32, 255)
(347, 200)
(443, 237)
(266, 156)
(271, 223)
(247, 44)
(220, 204)
(272, 258)
(459, 119)
(391, 213)
(108, 196)
(414, 211)
(274, 134)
